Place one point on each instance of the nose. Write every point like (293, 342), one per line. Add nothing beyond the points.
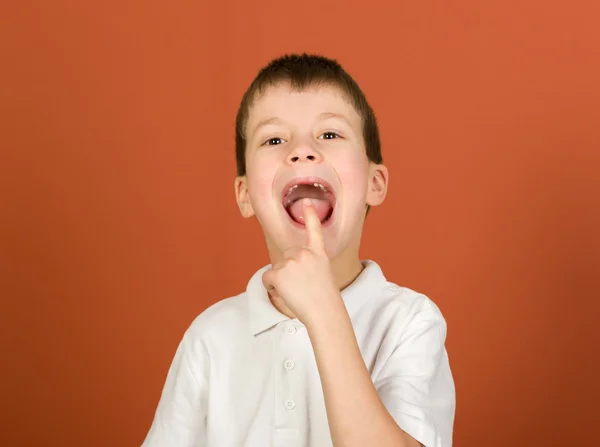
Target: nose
(303, 153)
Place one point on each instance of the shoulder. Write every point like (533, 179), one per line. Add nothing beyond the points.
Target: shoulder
(413, 337)
(227, 316)
(408, 314)
(409, 302)
(380, 296)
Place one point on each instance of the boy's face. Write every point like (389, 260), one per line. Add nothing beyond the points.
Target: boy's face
(294, 141)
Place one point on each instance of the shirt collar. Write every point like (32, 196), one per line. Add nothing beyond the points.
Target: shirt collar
(263, 315)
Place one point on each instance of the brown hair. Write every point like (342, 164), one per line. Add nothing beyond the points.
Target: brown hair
(302, 71)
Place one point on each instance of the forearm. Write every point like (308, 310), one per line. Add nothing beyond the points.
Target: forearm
(356, 414)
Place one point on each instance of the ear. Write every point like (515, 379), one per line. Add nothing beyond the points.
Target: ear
(242, 197)
(377, 184)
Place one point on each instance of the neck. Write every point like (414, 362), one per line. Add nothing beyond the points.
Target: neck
(345, 270)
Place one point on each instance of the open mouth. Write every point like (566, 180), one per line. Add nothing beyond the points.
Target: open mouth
(314, 188)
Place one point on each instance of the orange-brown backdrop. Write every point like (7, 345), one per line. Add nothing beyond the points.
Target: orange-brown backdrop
(119, 224)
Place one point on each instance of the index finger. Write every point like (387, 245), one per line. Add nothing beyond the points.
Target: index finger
(313, 225)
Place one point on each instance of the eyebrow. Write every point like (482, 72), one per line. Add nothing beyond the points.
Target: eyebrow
(275, 120)
(327, 115)
(266, 122)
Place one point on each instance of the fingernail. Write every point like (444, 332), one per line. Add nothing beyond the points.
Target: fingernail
(307, 201)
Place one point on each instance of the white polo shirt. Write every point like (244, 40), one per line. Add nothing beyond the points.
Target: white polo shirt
(245, 375)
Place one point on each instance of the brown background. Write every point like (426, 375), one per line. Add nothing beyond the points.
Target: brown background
(119, 223)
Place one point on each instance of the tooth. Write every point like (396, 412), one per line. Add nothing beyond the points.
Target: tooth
(291, 189)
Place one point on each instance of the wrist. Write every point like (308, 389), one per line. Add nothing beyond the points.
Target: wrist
(330, 312)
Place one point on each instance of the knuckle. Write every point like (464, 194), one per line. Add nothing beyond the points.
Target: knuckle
(304, 254)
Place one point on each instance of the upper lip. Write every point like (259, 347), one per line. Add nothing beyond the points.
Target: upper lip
(310, 180)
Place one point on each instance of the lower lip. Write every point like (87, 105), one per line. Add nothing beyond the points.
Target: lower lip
(327, 223)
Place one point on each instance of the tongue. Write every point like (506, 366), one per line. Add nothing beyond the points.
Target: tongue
(323, 208)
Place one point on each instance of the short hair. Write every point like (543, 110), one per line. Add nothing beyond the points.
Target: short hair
(302, 71)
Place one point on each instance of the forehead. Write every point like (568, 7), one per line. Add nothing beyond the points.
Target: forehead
(300, 106)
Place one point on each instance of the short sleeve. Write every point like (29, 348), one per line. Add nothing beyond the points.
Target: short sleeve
(180, 418)
(415, 383)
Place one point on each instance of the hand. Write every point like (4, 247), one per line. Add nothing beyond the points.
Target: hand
(304, 279)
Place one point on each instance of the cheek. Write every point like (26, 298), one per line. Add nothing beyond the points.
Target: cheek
(260, 184)
(353, 174)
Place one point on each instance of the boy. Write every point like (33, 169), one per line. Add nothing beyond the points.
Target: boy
(320, 349)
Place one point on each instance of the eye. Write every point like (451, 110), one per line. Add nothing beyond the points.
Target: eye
(329, 136)
(273, 141)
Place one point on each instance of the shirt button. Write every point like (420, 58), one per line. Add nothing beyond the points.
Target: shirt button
(291, 330)
(289, 364)
(290, 404)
